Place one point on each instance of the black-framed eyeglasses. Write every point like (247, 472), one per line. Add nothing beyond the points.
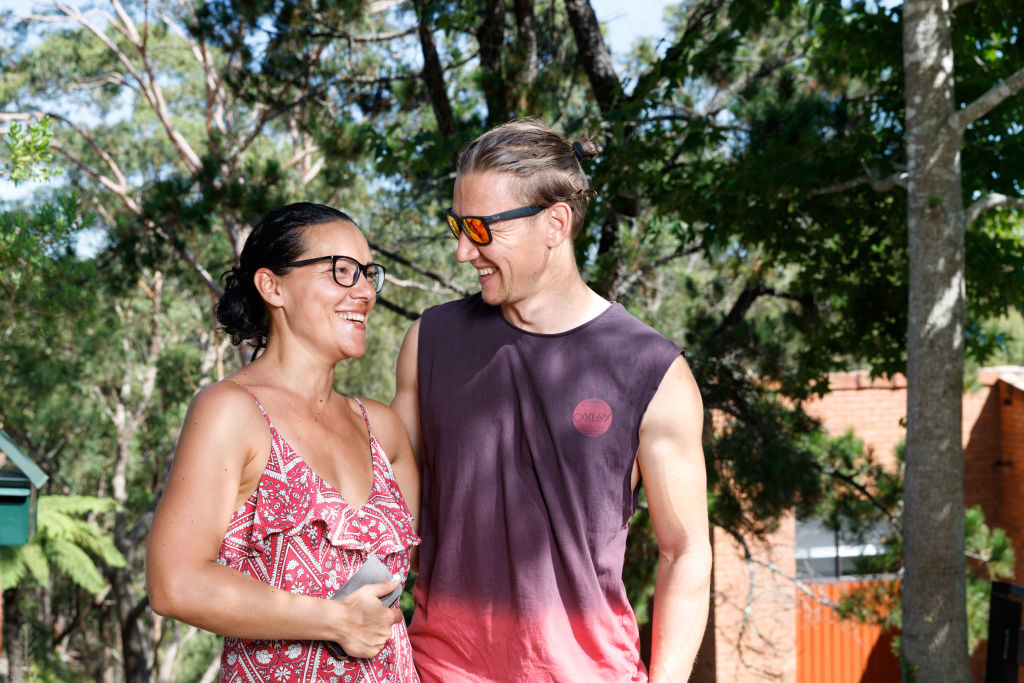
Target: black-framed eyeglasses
(346, 270)
(478, 228)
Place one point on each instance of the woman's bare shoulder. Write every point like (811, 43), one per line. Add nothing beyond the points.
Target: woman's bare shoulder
(386, 426)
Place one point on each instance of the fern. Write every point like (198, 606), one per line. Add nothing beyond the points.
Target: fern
(35, 561)
(12, 566)
(76, 505)
(76, 563)
(64, 541)
(93, 540)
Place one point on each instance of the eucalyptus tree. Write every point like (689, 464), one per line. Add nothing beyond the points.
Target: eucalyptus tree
(934, 605)
(174, 166)
(930, 100)
(95, 353)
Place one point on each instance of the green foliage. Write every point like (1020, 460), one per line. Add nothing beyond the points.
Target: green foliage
(990, 558)
(64, 541)
(865, 497)
(26, 152)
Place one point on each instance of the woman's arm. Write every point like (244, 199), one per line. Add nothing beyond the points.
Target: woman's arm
(224, 442)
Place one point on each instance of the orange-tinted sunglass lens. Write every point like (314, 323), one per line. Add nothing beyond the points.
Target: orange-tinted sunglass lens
(476, 230)
(452, 225)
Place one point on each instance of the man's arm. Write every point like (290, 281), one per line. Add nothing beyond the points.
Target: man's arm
(671, 460)
(407, 401)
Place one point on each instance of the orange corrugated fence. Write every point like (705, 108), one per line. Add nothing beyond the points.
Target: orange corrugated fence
(834, 650)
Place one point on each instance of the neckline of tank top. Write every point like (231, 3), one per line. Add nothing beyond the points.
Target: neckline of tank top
(548, 335)
(371, 438)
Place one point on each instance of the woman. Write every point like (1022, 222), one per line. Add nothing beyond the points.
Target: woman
(281, 488)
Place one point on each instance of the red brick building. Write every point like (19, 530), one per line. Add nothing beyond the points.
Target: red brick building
(765, 628)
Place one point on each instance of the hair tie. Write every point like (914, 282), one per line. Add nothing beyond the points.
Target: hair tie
(577, 148)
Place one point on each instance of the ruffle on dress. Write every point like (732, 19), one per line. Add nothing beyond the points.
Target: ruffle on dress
(292, 499)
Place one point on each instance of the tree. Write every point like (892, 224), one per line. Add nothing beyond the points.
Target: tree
(27, 152)
(907, 130)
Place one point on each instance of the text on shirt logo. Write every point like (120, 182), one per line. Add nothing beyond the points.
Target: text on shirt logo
(592, 417)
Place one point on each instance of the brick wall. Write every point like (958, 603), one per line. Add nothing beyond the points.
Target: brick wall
(754, 610)
(754, 618)
(874, 409)
(1010, 468)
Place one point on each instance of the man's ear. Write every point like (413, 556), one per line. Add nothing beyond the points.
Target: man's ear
(559, 224)
(269, 286)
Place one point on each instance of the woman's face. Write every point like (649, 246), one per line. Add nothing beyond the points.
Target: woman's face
(316, 311)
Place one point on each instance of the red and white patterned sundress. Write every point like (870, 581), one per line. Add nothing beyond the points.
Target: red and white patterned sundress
(297, 533)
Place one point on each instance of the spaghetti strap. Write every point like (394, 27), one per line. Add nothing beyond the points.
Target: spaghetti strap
(365, 418)
(260, 405)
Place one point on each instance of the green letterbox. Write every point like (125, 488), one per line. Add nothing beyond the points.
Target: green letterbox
(20, 478)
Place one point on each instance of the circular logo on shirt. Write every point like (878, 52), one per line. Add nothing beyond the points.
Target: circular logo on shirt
(592, 417)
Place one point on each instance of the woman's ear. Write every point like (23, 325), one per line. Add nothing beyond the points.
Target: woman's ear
(268, 285)
(559, 223)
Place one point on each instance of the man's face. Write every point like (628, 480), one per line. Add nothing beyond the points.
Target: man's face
(510, 267)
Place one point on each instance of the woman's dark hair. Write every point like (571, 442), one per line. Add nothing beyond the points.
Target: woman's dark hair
(547, 165)
(275, 240)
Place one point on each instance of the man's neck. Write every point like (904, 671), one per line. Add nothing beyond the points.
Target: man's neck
(559, 308)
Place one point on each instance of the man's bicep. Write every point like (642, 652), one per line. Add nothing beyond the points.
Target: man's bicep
(671, 459)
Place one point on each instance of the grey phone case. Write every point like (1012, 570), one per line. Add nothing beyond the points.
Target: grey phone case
(372, 571)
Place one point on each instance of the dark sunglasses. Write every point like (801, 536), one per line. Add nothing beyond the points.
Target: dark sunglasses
(478, 228)
(346, 270)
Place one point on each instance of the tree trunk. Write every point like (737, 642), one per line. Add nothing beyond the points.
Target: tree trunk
(135, 642)
(134, 638)
(526, 37)
(490, 36)
(934, 602)
(433, 74)
(13, 636)
(594, 54)
(596, 59)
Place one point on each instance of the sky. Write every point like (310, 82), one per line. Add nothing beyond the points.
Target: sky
(627, 20)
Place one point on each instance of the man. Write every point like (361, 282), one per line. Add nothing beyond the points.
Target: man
(535, 407)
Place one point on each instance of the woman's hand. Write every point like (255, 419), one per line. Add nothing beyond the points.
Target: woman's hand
(366, 627)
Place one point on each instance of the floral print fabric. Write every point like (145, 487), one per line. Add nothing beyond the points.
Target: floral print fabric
(297, 533)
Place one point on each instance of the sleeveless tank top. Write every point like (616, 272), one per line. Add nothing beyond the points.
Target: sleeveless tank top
(296, 532)
(529, 443)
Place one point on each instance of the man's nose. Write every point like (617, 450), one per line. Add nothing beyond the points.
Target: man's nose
(465, 250)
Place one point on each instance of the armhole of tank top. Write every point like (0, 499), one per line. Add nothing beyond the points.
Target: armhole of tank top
(634, 493)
